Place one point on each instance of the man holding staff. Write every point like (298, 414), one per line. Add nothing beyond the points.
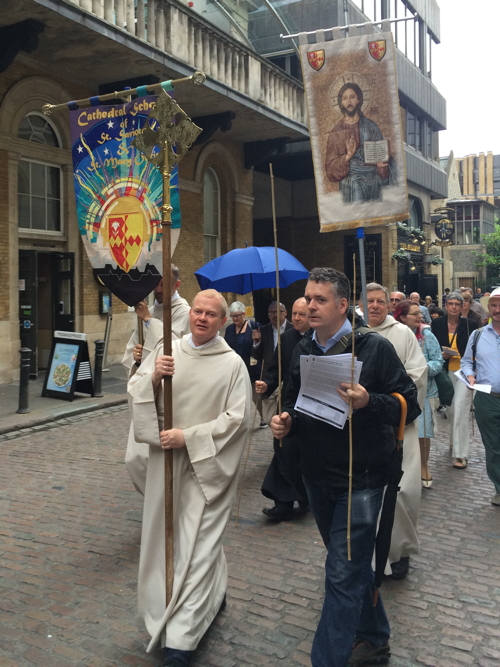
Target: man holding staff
(351, 630)
(211, 418)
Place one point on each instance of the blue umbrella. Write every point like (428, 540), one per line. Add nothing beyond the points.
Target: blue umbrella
(247, 269)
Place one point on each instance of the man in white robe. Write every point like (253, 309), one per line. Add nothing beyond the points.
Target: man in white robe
(211, 418)
(404, 540)
(136, 456)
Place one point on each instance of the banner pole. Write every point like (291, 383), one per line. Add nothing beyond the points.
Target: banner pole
(154, 89)
(166, 223)
(360, 233)
(278, 311)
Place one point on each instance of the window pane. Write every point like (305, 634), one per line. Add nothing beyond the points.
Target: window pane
(24, 212)
(475, 211)
(410, 128)
(460, 212)
(460, 233)
(38, 179)
(475, 232)
(468, 232)
(37, 213)
(53, 215)
(418, 144)
(24, 177)
(53, 182)
(467, 210)
(38, 129)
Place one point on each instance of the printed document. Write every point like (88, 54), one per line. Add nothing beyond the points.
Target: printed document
(486, 388)
(320, 379)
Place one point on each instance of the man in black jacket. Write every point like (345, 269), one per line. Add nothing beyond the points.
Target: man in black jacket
(350, 631)
(283, 481)
(265, 340)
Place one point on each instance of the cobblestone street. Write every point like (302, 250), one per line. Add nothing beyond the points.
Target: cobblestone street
(69, 546)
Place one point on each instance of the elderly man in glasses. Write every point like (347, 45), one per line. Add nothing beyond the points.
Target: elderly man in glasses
(394, 299)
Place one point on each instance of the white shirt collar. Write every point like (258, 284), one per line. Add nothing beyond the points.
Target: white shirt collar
(214, 340)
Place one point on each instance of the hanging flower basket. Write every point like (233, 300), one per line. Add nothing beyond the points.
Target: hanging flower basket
(412, 233)
(401, 255)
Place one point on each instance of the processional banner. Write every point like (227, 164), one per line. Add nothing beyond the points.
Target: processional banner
(119, 195)
(355, 126)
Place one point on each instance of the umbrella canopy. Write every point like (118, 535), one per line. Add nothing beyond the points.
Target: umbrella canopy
(247, 269)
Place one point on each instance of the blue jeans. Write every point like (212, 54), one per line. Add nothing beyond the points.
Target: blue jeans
(348, 610)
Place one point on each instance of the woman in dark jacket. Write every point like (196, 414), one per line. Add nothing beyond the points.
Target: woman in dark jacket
(239, 334)
(452, 332)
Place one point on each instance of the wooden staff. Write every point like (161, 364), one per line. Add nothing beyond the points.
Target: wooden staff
(278, 310)
(349, 494)
(168, 423)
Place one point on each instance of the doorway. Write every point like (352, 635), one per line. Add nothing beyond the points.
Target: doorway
(46, 301)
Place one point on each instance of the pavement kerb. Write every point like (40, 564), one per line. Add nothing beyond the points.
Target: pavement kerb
(71, 412)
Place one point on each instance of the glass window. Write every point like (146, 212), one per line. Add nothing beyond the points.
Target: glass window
(37, 128)
(410, 129)
(475, 211)
(428, 142)
(418, 141)
(467, 211)
(39, 196)
(460, 212)
(468, 232)
(476, 235)
(211, 215)
(460, 233)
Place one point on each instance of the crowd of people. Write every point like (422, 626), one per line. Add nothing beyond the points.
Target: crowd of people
(407, 346)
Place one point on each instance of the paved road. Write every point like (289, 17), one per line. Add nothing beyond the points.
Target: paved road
(69, 545)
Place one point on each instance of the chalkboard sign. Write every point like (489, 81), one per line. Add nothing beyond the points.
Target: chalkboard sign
(69, 367)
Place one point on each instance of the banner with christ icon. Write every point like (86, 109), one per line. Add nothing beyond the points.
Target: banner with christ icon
(355, 126)
(119, 194)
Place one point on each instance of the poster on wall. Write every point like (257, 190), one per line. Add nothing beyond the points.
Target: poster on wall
(354, 120)
(119, 195)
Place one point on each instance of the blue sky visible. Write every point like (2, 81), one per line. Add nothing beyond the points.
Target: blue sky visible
(466, 70)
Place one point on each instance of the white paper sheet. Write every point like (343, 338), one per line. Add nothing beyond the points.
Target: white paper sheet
(320, 378)
(486, 388)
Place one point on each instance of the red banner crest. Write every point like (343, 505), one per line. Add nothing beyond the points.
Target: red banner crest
(316, 59)
(377, 49)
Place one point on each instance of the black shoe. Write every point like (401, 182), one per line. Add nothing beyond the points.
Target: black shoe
(400, 568)
(364, 653)
(173, 662)
(279, 513)
(303, 506)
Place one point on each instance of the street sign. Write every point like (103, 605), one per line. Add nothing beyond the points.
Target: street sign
(444, 229)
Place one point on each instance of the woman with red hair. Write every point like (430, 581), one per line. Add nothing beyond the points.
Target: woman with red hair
(408, 312)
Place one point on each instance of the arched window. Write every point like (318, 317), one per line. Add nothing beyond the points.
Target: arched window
(39, 185)
(211, 215)
(38, 128)
(416, 216)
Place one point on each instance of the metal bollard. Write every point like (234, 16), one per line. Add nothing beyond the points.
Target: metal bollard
(24, 380)
(99, 356)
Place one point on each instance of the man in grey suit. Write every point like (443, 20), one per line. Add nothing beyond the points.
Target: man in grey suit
(265, 341)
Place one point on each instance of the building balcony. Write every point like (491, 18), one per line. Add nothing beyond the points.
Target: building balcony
(122, 39)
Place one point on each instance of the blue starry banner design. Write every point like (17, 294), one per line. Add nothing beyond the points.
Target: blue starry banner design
(119, 195)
